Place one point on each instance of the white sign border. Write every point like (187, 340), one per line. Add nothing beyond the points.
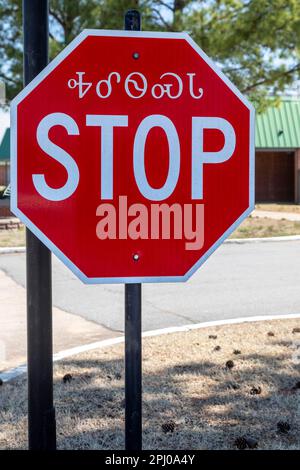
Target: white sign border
(44, 73)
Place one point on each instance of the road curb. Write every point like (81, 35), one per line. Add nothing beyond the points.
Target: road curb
(286, 238)
(22, 369)
(12, 249)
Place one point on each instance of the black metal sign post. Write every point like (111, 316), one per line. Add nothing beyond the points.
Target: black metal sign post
(133, 367)
(133, 332)
(41, 413)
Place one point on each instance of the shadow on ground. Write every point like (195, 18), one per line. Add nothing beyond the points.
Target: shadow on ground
(203, 404)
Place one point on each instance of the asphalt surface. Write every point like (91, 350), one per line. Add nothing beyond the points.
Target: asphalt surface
(236, 281)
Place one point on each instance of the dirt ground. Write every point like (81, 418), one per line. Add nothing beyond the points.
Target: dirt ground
(193, 398)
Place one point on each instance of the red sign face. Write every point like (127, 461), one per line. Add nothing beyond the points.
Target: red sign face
(132, 156)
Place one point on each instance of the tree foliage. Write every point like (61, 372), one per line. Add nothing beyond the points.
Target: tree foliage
(255, 42)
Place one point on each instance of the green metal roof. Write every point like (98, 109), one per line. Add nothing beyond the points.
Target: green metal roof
(5, 146)
(279, 127)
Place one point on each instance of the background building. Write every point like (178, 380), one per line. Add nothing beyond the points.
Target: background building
(5, 159)
(277, 177)
(4, 172)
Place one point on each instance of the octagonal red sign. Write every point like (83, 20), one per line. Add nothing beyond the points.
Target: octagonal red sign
(132, 156)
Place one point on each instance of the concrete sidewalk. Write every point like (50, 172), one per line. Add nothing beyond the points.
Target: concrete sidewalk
(68, 330)
(276, 215)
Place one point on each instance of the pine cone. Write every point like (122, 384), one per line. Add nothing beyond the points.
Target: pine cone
(236, 386)
(246, 441)
(283, 427)
(240, 443)
(169, 426)
(256, 390)
(251, 442)
(229, 364)
(296, 386)
(67, 378)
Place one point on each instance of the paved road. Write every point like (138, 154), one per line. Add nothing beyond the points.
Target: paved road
(238, 280)
(69, 331)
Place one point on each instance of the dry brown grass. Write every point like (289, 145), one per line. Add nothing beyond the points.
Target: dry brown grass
(14, 237)
(185, 380)
(264, 227)
(251, 227)
(293, 208)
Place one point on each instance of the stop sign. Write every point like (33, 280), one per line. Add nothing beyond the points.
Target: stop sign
(132, 156)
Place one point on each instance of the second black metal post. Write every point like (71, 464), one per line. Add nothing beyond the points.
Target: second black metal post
(133, 367)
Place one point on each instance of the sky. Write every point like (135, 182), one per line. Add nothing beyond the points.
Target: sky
(4, 122)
